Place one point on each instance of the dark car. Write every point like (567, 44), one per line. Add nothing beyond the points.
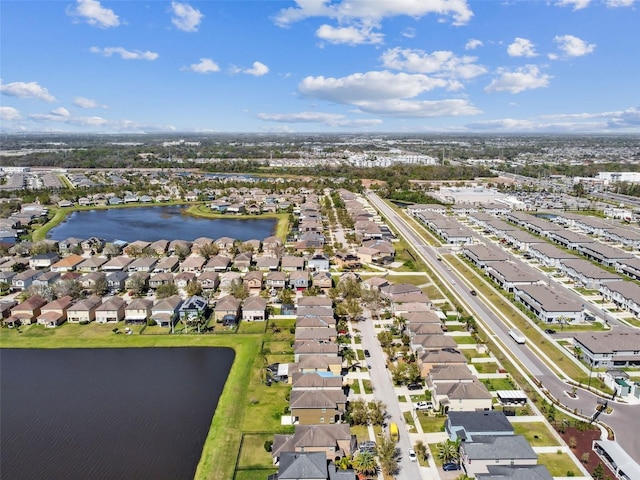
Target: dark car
(449, 467)
(549, 331)
(473, 292)
(414, 386)
(367, 353)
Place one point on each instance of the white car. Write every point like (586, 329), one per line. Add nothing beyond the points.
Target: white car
(424, 406)
(412, 455)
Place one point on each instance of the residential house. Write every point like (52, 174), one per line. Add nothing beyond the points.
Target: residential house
(227, 306)
(266, 264)
(242, 261)
(23, 280)
(116, 280)
(318, 263)
(276, 280)
(209, 281)
(302, 466)
(111, 310)
(165, 311)
(516, 472)
(218, 263)
(496, 450)
(317, 407)
(167, 265)
(226, 245)
(462, 396)
(271, 246)
(254, 309)
(67, 264)
(335, 441)
(119, 263)
(299, 280)
(193, 307)
(347, 260)
(70, 245)
(158, 279)
(143, 264)
(138, 311)
(182, 279)
(27, 312)
(193, 264)
(45, 279)
(159, 247)
(253, 281)
(90, 280)
(43, 260)
(322, 280)
(84, 311)
(290, 263)
(136, 248)
(466, 425)
(138, 278)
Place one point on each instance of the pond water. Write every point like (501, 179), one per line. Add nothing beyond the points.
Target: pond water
(158, 223)
(108, 413)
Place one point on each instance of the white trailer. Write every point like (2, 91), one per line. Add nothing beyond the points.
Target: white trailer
(517, 336)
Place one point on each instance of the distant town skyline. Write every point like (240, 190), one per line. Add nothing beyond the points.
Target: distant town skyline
(424, 66)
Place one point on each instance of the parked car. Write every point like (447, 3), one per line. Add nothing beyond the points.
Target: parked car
(414, 386)
(424, 406)
(412, 455)
(549, 331)
(473, 292)
(367, 446)
(367, 353)
(449, 467)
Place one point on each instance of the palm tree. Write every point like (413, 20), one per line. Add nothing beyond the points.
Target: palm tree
(388, 454)
(345, 463)
(349, 356)
(365, 464)
(448, 451)
(421, 450)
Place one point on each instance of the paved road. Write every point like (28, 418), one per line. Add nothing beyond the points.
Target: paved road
(384, 390)
(622, 420)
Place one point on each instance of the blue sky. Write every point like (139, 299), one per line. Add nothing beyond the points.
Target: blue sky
(406, 66)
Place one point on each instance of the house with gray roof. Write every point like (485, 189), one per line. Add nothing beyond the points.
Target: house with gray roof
(508, 450)
(550, 305)
(111, 310)
(585, 273)
(549, 255)
(462, 396)
(613, 349)
(512, 273)
(625, 295)
(515, 472)
(482, 255)
(302, 466)
(335, 441)
(466, 425)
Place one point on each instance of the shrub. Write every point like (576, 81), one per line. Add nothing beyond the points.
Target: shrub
(268, 444)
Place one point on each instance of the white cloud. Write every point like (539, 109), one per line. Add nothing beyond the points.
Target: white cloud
(257, 70)
(329, 119)
(524, 78)
(386, 93)
(26, 90)
(206, 65)
(9, 114)
(409, 32)
(521, 47)
(619, 3)
(60, 112)
(84, 102)
(349, 35)
(185, 17)
(94, 14)
(370, 86)
(576, 4)
(69, 120)
(355, 10)
(473, 43)
(420, 108)
(441, 63)
(125, 54)
(571, 46)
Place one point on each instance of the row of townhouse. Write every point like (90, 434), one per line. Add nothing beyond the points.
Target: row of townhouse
(317, 402)
(164, 312)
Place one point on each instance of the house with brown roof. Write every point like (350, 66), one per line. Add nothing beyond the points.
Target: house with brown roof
(92, 264)
(194, 264)
(67, 264)
(267, 264)
(167, 264)
(158, 279)
(119, 263)
(84, 311)
(218, 263)
(462, 396)
(27, 312)
(138, 311)
(242, 261)
(319, 363)
(322, 280)
(159, 247)
(291, 263)
(271, 246)
(165, 311)
(209, 280)
(448, 356)
(316, 381)
(111, 310)
(253, 281)
(254, 309)
(182, 279)
(277, 280)
(136, 248)
(142, 264)
(225, 244)
(227, 305)
(303, 348)
(335, 441)
(317, 407)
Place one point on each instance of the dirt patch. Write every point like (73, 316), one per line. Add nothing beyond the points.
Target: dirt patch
(583, 441)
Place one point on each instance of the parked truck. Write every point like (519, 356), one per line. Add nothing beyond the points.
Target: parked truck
(517, 336)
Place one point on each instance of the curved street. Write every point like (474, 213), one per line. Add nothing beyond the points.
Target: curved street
(618, 420)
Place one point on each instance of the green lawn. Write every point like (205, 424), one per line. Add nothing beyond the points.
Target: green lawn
(494, 384)
(536, 433)
(464, 339)
(431, 424)
(417, 279)
(252, 452)
(361, 432)
(558, 464)
(366, 384)
(485, 367)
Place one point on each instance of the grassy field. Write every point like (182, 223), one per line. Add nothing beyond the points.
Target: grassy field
(429, 423)
(536, 433)
(246, 406)
(559, 464)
